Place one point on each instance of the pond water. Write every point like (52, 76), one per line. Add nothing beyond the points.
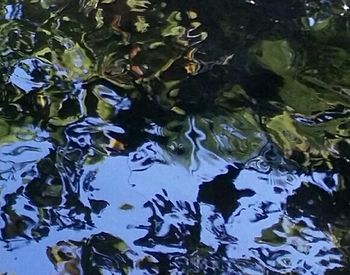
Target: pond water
(174, 137)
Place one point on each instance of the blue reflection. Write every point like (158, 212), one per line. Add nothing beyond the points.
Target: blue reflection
(13, 12)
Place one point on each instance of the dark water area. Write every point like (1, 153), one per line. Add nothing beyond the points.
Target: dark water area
(174, 137)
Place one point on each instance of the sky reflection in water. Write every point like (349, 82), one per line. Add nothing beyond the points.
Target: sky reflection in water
(144, 137)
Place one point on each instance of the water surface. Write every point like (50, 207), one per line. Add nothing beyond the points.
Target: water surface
(175, 137)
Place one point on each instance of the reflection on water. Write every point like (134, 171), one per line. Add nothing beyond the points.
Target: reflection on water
(150, 137)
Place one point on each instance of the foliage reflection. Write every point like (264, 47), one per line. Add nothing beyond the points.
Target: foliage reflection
(174, 137)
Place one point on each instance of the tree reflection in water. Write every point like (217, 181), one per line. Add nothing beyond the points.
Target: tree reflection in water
(144, 136)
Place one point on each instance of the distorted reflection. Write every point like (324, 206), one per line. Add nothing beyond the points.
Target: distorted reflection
(166, 137)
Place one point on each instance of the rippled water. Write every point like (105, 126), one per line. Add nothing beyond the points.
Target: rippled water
(175, 137)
